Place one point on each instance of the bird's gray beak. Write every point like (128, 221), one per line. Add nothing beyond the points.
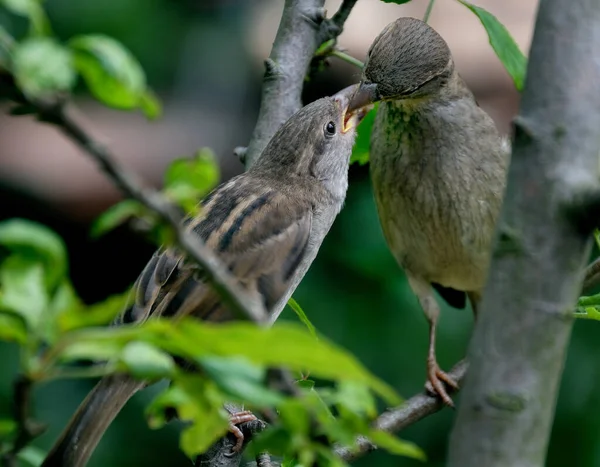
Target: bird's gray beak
(366, 95)
(353, 114)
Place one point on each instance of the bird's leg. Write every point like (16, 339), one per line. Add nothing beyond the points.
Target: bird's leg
(474, 298)
(237, 418)
(435, 376)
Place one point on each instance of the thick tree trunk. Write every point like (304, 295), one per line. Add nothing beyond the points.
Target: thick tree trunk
(519, 345)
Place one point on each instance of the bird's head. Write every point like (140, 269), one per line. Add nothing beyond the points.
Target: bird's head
(408, 60)
(317, 140)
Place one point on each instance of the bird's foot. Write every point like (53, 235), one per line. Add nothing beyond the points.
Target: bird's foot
(235, 419)
(435, 379)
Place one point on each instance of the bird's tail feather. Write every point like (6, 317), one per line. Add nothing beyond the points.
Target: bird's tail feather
(87, 426)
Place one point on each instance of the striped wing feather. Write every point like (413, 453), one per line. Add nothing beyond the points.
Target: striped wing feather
(258, 232)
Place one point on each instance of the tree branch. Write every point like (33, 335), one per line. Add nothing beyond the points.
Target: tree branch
(302, 29)
(518, 348)
(592, 277)
(394, 420)
(239, 301)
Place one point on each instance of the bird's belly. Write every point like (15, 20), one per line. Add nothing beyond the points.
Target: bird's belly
(429, 234)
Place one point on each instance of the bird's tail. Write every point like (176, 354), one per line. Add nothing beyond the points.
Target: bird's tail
(85, 429)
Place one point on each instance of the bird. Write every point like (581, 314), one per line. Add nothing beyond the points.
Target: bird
(438, 168)
(262, 225)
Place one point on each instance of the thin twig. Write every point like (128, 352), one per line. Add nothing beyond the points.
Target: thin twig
(27, 429)
(240, 303)
(414, 409)
(428, 11)
(347, 58)
(592, 277)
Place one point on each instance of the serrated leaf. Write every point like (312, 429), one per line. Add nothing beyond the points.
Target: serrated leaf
(116, 215)
(503, 44)
(145, 361)
(112, 73)
(396, 446)
(12, 328)
(98, 314)
(35, 241)
(188, 180)
(42, 67)
(32, 10)
(23, 289)
(285, 344)
(241, 379)
(362, 146)
(294, 305)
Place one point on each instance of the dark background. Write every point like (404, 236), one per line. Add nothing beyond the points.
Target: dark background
(204, 58)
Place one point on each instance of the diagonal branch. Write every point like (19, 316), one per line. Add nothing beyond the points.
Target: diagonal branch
(394, 420)
(238, 300)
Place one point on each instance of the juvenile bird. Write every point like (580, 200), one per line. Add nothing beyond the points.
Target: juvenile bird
(262, 225)
(438, 166)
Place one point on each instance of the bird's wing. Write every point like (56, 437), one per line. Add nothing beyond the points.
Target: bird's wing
(260, 234)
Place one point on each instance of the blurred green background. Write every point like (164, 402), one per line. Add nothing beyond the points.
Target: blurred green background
(203, 57)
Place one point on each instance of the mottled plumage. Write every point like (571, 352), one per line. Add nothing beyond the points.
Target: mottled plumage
(438, 166)
(266, 226)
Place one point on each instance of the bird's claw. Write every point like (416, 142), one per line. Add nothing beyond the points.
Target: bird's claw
(235, 419)
(434, 385)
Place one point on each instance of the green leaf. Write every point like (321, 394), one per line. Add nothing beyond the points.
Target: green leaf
(96, 343)
(42, 67)
(145, 361)
(150, 105)
(33, 240)
(98, 314)
(356, 398)
(188, 180)
(23, 289)
(293, 304)
(112, 73)
(116, 215)
(195, 400)
(396, 446)
(241, 379)
(12, 328)
(7, 427)
(32, 10)
(503, 44)
(284, 344)
(32, 455)
(361, 149)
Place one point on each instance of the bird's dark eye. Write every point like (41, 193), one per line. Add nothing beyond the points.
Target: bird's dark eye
(330, 129)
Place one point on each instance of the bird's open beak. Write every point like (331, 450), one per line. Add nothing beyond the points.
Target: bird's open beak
(352, 113)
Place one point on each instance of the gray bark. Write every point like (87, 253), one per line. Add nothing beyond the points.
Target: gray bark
(519, 344)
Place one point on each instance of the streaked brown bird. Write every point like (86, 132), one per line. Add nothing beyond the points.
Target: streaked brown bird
(263, 225)
(438, 166)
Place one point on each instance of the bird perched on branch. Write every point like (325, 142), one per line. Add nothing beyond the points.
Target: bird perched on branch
(261, 224)
(438, 166)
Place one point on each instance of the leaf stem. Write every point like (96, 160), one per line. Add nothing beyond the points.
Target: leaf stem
(347, 58)
(428, 11)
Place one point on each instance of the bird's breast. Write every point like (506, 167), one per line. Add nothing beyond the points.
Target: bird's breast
(438, 191)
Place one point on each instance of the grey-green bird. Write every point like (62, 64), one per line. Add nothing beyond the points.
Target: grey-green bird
(265, 225)
(438, 166)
